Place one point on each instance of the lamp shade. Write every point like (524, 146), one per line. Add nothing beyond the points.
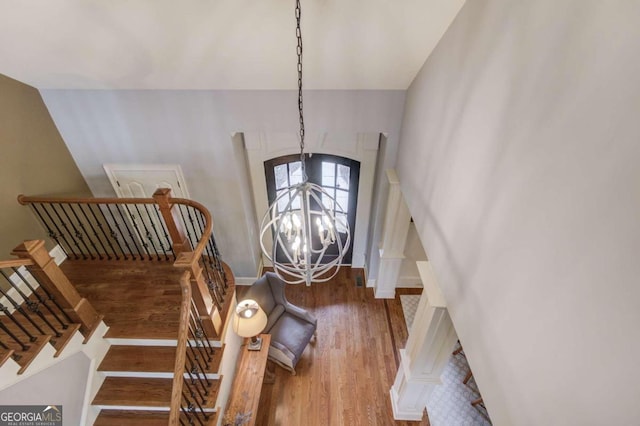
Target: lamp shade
(249, 319)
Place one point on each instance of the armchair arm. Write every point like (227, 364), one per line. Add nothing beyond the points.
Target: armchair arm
(300, 313)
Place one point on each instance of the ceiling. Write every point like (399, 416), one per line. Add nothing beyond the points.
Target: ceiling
(218, 44)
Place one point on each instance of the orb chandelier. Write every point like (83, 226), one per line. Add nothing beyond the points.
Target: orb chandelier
(305, 232)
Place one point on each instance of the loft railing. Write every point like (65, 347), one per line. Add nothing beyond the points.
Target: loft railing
(162, 229)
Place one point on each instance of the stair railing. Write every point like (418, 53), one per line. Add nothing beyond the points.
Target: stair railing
(158, 229)
(38, 303)
(192, 391)
(26, 316)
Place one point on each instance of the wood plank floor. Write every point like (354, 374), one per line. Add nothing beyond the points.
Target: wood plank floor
(344, 376)
(138, 299)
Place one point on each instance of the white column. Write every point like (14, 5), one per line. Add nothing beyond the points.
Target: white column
(431, 340)
(394, 238)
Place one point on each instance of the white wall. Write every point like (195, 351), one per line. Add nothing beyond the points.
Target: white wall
(62, 384)
(413, 252)
(519, 163)
(196, 128)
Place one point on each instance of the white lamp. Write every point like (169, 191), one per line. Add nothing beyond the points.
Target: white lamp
(249, 320)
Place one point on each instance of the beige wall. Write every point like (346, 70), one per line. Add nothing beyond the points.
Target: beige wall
(34, 161)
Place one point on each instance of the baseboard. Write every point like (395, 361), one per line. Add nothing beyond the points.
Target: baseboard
(371, 282)
(385, 294)
(409, 282)
(245, 280)
(398, 414)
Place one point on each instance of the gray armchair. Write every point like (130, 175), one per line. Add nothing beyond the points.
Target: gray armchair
(290, 326)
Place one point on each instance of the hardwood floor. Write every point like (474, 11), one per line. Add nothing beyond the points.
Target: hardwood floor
(138, 299)
(345, 375)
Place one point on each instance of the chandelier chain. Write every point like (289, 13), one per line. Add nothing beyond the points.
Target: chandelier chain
(300, 103)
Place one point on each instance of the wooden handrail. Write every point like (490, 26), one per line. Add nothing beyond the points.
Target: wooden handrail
(15, 263)
(181, 350)
(25, 200)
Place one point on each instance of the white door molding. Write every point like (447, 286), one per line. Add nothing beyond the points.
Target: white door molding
(140, 180)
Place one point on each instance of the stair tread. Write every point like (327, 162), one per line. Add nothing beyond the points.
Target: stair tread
(139, 358)
(131, 418)
(134, 391)
(143, 392)
(148, 359)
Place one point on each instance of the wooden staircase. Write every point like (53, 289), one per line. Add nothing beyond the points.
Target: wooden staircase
(151, 266)
(141, 305)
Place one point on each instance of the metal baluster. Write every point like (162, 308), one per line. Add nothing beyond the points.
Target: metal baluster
(212, 241)
(64, 225)
(155, 230)
(100, 225)
(20, 309)
(126, 225)
(197, 369)
(50, 232)
(200, 327)
(4, 328)
(210, 258)
(31, 337)
(196, 358)
(95, 234)
(138, 232)
(84, 233)
(43, 300)
(186, 228)
(213, 258)
(195, 382)
(79, 235)
(46, 208)
(192, 408)
(200, 349)
(124, 238)
(113, 233)
(164, 229)
(33, 306)
(210, 251)
(147, 234)
(214, 292)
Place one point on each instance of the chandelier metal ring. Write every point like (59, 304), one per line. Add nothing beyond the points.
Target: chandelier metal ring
(292, 231)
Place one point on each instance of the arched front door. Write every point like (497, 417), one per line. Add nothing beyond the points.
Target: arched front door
(337, 175)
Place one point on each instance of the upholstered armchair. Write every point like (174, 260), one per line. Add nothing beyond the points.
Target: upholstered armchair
(290, 326)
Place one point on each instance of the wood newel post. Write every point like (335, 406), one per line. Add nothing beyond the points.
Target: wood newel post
(51, 277)
(178, 236)
(203, 302)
